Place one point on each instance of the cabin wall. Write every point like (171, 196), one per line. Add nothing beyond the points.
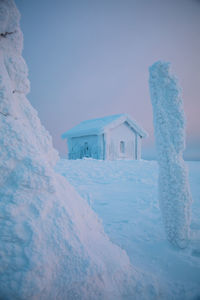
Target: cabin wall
(83, 146)
(101, 147)
(121, 143)
(138, 147)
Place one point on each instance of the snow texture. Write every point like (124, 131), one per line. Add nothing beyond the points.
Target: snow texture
(52, 245)
(101, 125)
(124, 195)
(169, 127)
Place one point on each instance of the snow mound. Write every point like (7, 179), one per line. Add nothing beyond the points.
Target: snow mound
(169, 127)
(52, 245)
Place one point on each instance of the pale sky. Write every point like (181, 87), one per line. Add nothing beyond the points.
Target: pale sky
(90, 58)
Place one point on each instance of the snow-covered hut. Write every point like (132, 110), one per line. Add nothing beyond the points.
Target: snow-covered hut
(108, 138)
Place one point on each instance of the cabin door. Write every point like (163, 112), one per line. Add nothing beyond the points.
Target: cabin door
(86, 150)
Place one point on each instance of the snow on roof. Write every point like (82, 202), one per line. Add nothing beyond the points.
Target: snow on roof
(100, 125)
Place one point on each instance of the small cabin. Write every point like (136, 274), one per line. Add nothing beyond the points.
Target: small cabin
(108, 138)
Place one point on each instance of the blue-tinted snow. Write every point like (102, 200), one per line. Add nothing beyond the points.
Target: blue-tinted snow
(52, 245)
(98, 126)
(125, 196)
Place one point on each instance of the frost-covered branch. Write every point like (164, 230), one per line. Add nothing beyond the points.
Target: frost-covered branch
(169, 127)
(16, 91)
(4, 35)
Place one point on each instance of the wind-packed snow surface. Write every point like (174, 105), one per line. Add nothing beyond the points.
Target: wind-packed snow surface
(169, 127)
(52, 245)
(124, 195)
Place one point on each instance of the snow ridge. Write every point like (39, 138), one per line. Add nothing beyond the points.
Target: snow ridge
(169, 127)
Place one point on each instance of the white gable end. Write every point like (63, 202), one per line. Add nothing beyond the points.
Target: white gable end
(121, 142)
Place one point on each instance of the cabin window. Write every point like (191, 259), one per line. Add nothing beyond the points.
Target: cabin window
(122, 147)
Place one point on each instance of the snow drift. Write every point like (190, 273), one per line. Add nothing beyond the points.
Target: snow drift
(52, 245)
(169, 127)
(124, 194)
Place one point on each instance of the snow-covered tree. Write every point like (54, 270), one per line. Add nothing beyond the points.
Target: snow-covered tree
(52, 245)
(169, 128)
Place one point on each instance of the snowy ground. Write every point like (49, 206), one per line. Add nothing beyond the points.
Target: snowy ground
(124, 195)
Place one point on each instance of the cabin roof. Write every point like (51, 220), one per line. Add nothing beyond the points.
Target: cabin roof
(101, 125)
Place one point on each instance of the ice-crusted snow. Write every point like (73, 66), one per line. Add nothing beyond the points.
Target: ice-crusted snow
(169, 127)
(52, 245)
(124, 195)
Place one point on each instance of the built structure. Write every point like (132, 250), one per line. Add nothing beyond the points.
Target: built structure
(108, 138)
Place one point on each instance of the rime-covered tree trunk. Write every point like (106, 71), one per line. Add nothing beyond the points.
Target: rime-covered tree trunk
(169, 128)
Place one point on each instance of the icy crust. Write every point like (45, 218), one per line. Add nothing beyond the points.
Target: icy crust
(169, 127)
(51, 251)
(124, 195)
(52, 245)
(22, 134)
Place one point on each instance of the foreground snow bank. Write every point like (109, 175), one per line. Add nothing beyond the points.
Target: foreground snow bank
(52, 245)
(174, 192)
